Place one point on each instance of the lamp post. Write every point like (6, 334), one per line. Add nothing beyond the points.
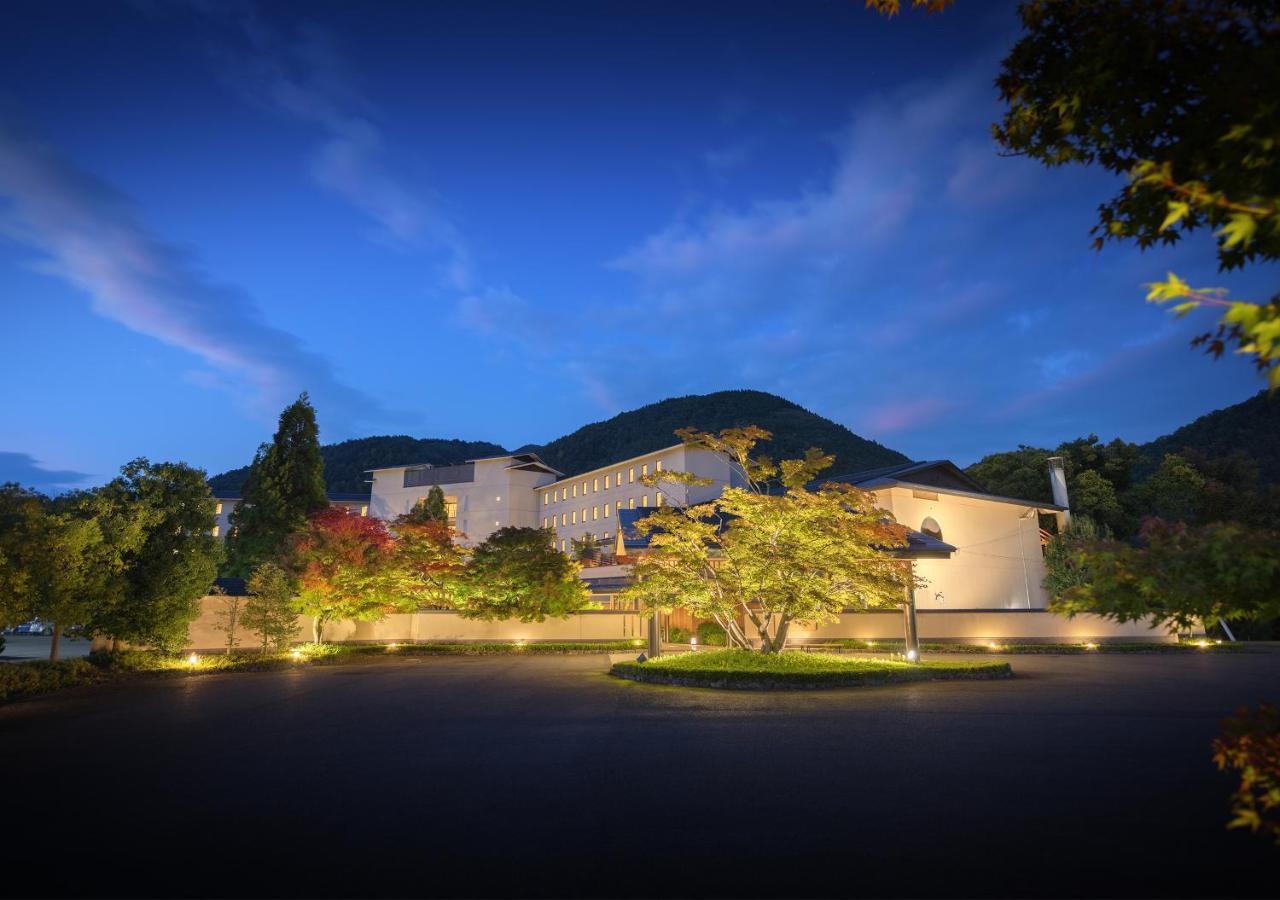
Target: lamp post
(912, 637)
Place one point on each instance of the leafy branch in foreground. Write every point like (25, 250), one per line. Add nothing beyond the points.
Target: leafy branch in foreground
(1250, 744)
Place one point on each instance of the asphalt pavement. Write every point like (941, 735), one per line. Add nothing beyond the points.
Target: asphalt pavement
(1082, 776)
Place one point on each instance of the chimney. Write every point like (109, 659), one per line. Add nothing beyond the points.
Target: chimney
(1058, 482)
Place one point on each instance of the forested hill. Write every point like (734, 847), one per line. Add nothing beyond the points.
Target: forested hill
(628, 434)
(1251, 429)
(652, 427)
(345, 463)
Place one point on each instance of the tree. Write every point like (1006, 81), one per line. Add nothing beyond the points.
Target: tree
(1093, 497)
(229, 616)
(516, 573)
(771, 556)
(54, 561)
(1250, 743)
(285, 485)
(428, 566)
(343, 564)
(1180, 575)
(161, 516)
(431, 508)
(1179, 97)
(585, 549)
(1064, 555)
(270, 608)
(1172, 493)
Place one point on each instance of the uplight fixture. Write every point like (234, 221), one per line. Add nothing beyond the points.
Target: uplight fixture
(1091, 646)
(912, 656)
(193, 660)
(296, 654)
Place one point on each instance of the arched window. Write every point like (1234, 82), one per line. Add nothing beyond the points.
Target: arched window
(931, 527)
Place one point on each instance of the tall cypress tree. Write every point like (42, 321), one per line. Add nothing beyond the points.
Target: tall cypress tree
(285, 485)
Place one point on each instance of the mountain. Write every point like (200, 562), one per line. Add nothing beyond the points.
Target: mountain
(345, 463)
(652, 427)
(1251, 429)
(627, 434)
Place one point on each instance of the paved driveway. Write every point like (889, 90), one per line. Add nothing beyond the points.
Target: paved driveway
(1083, 776)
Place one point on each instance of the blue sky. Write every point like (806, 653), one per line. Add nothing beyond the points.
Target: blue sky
(502, 221)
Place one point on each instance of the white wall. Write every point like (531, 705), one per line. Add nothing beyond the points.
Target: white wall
(998, 563)
(981, 626)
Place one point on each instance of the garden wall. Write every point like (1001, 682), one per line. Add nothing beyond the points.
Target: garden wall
(1030, 625)
(431, 625)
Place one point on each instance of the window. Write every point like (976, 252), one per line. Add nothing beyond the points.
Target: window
(584, 515)
(631, 475)
(595, 513)
(562, 546)
(544, 521)
(546, 498)
(451, 509)
(564, 519)
(606, 510)
(584, 487)
(644, 470)
(631, 503)
(606, 482)
(931, 527)
(657, 467)
(574, 519)
(216, 530)
(217, 509)
(364, 510)
(595, 485)
(618, 480)
(644, 499)
(575, 489)
(657, 498)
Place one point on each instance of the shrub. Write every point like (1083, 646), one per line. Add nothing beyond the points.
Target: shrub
(711, 634)
(678, 635)
(40, 676)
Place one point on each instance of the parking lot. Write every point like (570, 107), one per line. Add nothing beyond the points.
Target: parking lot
(1082, 776)
(23, 647)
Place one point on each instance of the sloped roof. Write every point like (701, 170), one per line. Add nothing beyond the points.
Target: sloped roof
(936, 475)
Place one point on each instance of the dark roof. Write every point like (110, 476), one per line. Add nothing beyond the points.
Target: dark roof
(609, 584)
(232, 587)
(939, 474)
(334, 497)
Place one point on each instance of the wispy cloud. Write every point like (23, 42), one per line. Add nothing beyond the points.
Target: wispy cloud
(302, 75)
(91, 235)
(26, 470)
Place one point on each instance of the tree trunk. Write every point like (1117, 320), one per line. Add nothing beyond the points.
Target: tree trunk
(780, 636)
(317, 630)
(912, 638)
(53, 644)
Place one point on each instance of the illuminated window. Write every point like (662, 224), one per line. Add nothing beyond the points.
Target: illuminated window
(595, 485)
(644, 499)
(931, 527)
(657, 498)
(584, 515)
(657, 467)
(216, 530)
(606, 482)
(364, 510)
(217, 509)
(575, 489)
(564, 519)
(574, 518)
(584, 487)
(562, 546)
(544, 522)
(451, 508)
(546, 498)
(618, 480)
(606, 510)
(631, 503)
(595, 513)
(631, 475)
(644, 469)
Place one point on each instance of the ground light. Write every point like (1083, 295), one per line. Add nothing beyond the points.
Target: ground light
(296, 654)
(193, 660)
(912, 656)
(993, 645)
(693, 643)
(1091, 646)
(392, 645)
(1202, 644)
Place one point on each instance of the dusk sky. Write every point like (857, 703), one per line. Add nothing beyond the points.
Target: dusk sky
(500, 222)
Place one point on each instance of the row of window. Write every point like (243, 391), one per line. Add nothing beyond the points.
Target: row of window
(569, 491)
(571, 517)
(564, 545)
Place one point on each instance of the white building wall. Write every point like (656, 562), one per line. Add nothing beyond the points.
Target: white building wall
(998, 563)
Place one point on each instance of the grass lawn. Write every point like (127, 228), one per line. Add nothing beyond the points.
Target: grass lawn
(895, 646)
(744, 669)
(28, 679)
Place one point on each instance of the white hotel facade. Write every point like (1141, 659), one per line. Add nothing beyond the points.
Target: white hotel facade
(483, 495)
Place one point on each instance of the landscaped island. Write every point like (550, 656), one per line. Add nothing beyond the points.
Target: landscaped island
(798, 670)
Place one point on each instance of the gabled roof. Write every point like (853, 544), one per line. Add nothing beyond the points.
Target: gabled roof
(941, 475)
(527, 461)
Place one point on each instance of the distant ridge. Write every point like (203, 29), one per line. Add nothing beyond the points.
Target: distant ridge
(652, 427)
(1250, 428)
(627, 434)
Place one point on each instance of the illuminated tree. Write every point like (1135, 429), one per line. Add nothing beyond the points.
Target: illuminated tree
(428, 566)
(517, 573)
(431, 508)
(773, 552)
(1180, 98)
(271, 607)
(343, 564)
(1179, 575)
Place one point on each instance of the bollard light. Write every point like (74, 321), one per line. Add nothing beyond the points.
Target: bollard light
(193, 660)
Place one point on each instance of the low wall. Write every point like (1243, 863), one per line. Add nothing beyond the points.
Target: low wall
(429, 625)
(976, 626)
